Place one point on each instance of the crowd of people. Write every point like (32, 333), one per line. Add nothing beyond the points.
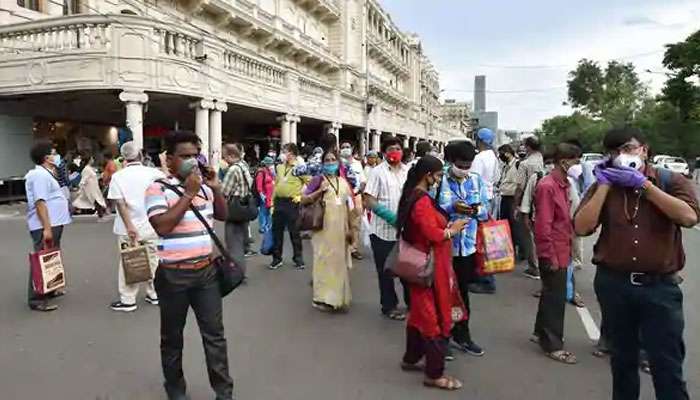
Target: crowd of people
(435, 202)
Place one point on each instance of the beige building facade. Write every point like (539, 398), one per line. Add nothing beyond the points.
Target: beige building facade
(227, 69)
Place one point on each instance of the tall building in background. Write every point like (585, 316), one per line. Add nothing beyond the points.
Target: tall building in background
(480, 93)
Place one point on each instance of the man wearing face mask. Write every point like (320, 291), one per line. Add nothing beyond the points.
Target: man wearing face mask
(531, 166)
(553, 238)
(185, 276)
(508, 185)
(47, 211)
(355, 166)
(287, 196)
(464, 193)
(382, 196)
(639, 253)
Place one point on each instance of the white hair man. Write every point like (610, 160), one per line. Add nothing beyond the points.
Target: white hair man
(127, 189)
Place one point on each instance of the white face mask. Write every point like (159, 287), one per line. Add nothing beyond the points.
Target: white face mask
(549, 167)
(460, 173)
(575, 171)
(346, 152)
(283, 157)
(628, 160)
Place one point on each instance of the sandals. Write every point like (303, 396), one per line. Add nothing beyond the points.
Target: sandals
(600, 353)
(357, 255)
(645, 367)
(44, 307)
(395, 315)
(563, 357)
(322, 307)
(578, 301)
(443, 383)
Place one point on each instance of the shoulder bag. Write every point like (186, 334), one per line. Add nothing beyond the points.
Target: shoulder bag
(230, 275)
(311, 215)
(242, 208)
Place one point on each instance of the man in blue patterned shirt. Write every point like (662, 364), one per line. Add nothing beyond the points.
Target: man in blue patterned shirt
(463, 193)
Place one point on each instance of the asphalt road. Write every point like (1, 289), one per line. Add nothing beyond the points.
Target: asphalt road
(279, 347)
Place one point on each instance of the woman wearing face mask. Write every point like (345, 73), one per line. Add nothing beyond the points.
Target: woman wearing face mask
(434, 310)
(553, 237)
(89, 194)
(332, 260)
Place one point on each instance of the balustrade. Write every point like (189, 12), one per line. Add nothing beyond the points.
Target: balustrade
(79, 36)
(251, 68)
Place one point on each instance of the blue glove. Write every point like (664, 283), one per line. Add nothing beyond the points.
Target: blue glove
(625, 177)
(600, 175)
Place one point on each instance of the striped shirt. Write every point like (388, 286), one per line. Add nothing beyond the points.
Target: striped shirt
(189, 240)
(385, 184)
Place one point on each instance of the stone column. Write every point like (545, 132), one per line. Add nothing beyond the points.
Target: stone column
(362, 139)
(376, 140)
(134, 101)
(201, 123)
(215, 134)
(285, 121)
(406, 144)
(293, 126)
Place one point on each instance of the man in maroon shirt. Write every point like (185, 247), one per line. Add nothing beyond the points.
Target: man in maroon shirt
(554, 235)
(639, 252)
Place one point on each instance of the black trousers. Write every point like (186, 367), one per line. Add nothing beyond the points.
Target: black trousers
(434, 351)
(236, 239)
(549, 325)
(387, 292)
(465, 270)
(177, 291)
(33, 298)
(507, 203)
(649, 317)
(285, 217)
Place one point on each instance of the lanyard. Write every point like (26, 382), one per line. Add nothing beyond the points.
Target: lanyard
(336, 188)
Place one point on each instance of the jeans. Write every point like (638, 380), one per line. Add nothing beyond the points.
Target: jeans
(236, 237)
(34, 299)
(549, 325)
(177, 291)
(387, 292)
(434, 350)
(264, 219)
(465, 271)
(650, 316)
(285, 216)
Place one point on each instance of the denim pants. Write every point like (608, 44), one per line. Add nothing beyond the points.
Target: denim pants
(178, 290)
(649, 316)
(264, 219)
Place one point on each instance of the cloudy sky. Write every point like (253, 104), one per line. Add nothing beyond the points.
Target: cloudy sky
(526, 48)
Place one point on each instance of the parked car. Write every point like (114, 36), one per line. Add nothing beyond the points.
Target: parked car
(585, 157)
(656, 158)
(675, 164)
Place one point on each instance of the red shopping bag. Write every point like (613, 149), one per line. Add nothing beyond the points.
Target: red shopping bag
(48, 274)
(494, 248)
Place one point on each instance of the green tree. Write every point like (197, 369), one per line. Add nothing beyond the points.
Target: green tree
(613, 94)
(681, 89)
(579, 126)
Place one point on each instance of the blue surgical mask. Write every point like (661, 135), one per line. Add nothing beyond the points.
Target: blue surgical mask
(56, 159)
(330, 169)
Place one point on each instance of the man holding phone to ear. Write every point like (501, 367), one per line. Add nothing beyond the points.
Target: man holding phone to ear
(463, 194)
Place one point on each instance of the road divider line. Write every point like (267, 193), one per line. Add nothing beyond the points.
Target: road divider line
(588, 323)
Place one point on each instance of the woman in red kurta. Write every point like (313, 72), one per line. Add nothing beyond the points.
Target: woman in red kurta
(435, 309)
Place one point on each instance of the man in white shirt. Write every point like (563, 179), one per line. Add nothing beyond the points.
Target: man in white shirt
(348, 159)
(487, 166)
(382, 195)
(127, 189)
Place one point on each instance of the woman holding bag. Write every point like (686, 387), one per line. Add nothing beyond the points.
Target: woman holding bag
(436, 308)
(331, 244)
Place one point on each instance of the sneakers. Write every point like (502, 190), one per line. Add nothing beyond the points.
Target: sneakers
(300, 267)
(532, 273)
(151, 300)
(470, 348)
(251, 253)
(119, 306)
(276, 264)
(479, 288)
(449, 356)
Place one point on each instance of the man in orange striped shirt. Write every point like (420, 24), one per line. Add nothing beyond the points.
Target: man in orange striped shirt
(185, 276)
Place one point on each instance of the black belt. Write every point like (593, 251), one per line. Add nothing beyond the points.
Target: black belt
(645, 278)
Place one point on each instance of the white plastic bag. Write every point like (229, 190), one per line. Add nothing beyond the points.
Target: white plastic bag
(364, 232)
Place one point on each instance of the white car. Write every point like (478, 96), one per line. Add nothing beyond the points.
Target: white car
(585, 157)
(675, 164)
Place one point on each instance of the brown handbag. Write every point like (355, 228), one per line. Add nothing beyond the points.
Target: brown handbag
(311, 215)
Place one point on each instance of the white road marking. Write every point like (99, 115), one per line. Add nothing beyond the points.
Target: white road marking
(589, 324)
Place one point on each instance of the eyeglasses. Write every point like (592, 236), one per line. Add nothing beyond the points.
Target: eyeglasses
(628, 148)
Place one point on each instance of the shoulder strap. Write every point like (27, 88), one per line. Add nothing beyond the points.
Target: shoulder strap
(201, 219)
(665, 177)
